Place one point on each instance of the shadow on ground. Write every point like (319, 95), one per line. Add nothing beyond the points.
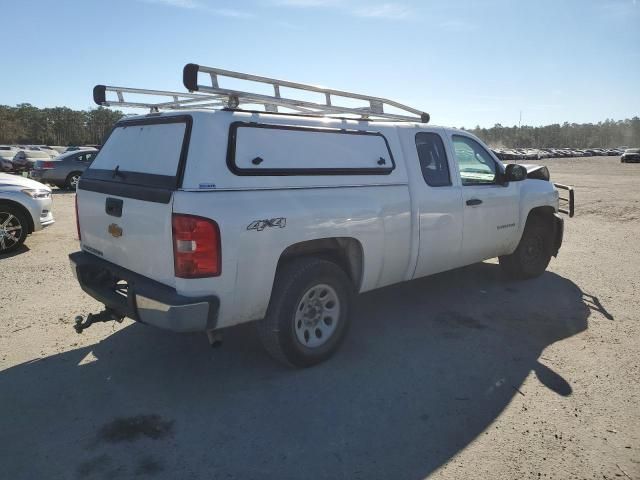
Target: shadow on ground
(427, 366)
(18, 251)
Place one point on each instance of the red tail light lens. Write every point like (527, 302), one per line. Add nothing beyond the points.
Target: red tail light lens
(196, 246)
(77, 218)
(47, 165)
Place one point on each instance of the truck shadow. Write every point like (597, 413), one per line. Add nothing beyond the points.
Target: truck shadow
(427, 367)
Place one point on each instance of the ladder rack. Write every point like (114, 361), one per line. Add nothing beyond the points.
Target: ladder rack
(171, 100)
(236, 98)
(215, 97)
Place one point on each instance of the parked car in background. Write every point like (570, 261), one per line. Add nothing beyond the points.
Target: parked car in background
(50, 151)
(76, 148)
(630, 155)
(65, 170)
(7, 153)
(25, 207)
(25, 159)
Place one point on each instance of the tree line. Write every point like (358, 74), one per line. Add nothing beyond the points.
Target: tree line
(26, 124)
(607, 134)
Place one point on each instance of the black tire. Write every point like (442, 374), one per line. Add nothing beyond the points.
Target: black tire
(294, 279)
(534, 251)
(15, 220)
(72, 180)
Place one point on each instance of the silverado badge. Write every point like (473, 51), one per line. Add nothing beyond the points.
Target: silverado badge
(114, 230)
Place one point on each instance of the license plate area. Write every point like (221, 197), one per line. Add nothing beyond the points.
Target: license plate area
(111, 289)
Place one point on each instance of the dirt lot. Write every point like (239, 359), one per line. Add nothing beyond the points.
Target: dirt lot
(461, 375)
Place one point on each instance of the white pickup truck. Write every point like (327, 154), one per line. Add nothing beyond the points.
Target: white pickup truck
(197, 220)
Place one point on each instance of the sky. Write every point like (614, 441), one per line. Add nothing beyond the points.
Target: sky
(465, 62)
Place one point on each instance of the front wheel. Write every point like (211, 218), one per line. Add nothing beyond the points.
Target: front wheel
(72, 181)
(534, 251)
(13, 228)
(308, 315)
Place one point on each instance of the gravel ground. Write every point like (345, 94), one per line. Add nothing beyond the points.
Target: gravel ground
(460, 375)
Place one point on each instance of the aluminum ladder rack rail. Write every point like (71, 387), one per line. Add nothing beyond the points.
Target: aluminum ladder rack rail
(172, 100)
(237, 98)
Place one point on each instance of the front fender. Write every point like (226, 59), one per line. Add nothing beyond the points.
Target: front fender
(535, 194)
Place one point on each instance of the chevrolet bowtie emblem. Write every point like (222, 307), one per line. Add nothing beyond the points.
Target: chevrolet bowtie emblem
(114, 230)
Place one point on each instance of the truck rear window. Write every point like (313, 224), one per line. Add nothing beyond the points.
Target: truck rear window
(148, 152)
(265, 149)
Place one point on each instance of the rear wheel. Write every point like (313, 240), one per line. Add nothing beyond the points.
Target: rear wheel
(72, 180)
(308, 315)
(534, 251)
(13, 228)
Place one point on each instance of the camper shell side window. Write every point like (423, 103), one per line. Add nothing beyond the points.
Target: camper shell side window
(269, 149)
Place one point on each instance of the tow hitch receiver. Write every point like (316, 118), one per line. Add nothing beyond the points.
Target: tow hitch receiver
(104, 316)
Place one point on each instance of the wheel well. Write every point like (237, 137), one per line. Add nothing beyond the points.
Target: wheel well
(546, 212)
(345, 251)
(24, 211)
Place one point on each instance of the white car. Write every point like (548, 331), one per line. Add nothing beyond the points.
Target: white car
(25, 207)
(53, 153)
(198, 220)
(7, 153)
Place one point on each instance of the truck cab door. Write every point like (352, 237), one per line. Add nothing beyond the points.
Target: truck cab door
(491, 208)
(438, 200)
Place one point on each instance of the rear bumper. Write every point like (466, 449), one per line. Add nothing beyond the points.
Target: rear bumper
(50, 176)
(143, 299)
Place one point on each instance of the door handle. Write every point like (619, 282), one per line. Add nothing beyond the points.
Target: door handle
(474, 201)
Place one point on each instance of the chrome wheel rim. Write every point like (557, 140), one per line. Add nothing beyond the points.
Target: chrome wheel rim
(74, 181)
(317, 316)
(10, 230)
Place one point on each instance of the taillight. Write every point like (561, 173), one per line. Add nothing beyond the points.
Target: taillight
(77, 219)
(196, 246)
(46, 165)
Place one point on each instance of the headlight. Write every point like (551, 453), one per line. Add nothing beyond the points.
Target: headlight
(37, 192)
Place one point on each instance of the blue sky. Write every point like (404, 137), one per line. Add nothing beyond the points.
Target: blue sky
(465, 62)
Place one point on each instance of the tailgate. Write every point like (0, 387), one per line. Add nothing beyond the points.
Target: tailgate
(125, 198)
(139, 239)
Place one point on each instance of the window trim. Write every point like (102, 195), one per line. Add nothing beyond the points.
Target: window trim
(446, 157)
(496, 164)
(234, 168)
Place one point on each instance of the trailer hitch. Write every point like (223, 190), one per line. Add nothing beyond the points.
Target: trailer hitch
(105, 315)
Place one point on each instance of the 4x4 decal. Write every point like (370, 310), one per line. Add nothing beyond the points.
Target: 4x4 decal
(260, 225)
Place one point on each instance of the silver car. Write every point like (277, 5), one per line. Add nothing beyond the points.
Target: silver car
(25, 207)
(65, 170)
